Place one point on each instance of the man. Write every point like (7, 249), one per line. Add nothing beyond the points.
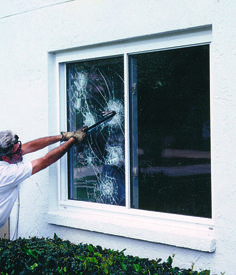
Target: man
(13, 171)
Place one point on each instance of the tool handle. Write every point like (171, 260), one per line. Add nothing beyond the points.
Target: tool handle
(108, 116)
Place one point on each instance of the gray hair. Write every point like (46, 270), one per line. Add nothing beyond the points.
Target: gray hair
(7, 141)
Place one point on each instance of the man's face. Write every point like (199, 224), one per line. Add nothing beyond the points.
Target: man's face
(16, 154)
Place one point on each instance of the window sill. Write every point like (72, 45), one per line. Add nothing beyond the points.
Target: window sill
(191, 234)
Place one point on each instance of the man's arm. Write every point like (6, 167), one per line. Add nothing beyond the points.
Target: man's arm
(39, 143)
(55, 154)
(52, 156)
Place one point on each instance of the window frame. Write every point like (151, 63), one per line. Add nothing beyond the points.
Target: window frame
(172, 229)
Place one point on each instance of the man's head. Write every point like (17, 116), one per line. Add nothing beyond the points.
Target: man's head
(10, 147)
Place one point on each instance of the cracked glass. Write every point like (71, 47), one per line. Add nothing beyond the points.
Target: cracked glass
(96, 167)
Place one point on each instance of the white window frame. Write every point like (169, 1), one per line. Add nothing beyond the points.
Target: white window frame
(172, 229)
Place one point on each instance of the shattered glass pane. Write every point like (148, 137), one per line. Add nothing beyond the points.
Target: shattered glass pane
(96, 167)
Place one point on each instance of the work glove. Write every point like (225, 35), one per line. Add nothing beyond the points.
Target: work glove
(80, 134)
(66, 135)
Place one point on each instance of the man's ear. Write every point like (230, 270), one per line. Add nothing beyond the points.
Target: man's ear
(6, 158)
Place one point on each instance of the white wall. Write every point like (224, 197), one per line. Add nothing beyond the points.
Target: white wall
(29, 29)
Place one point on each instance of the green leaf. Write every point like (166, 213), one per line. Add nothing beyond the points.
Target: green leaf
(34, 266)
(124, 267)
(81, 258)
(93, 260)
(169, 261)
(97, 254)
(90, 248)
(34, 253)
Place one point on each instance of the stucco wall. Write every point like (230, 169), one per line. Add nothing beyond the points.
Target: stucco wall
(30, 29)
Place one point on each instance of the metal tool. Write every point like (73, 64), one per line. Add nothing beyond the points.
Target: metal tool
(108, 115)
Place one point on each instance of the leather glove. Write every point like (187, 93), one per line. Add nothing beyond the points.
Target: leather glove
(66, 135)
(80, 134)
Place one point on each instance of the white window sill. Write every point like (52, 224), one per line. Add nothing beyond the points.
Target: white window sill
(196, 234)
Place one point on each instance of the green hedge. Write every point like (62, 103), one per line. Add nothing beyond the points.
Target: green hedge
(55, 256)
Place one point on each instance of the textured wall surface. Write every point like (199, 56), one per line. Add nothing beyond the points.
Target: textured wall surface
(30, 29)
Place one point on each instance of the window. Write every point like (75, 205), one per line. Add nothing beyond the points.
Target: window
(96, 167)
(170, 135)
(146, 173)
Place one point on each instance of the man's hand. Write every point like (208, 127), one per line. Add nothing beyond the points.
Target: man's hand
(57, 153)
(80, 134)
(66, 135)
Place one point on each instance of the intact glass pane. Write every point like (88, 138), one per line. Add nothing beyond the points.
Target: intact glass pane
(170, 131)
(96, 167)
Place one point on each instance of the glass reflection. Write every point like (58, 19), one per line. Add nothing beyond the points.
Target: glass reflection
(170, 106)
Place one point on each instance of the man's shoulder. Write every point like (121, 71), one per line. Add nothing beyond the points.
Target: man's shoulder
(14, 173)
(3, 164)
(17, 166)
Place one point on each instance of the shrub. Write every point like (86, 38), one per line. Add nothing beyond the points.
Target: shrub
(55, 256)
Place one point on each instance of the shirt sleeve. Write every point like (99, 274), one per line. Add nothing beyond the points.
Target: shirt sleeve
(14, 174)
